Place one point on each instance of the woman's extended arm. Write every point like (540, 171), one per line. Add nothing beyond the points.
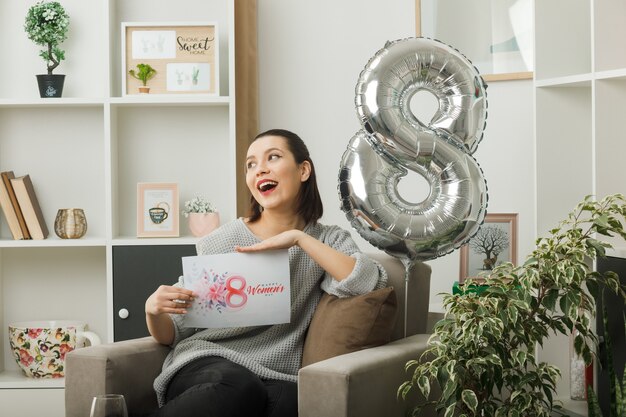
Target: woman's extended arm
(164, 301)
(336, 263)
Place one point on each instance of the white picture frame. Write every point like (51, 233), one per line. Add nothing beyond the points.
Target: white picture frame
(496, 35)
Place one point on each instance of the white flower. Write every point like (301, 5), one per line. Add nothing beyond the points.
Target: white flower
(49, 14)
(198, 204)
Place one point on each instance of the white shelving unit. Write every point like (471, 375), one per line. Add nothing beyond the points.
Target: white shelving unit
(89, 149)
(580, 102)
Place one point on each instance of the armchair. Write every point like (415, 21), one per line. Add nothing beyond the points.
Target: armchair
(362, 383)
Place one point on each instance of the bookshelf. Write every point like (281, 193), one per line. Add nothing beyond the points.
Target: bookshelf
(89, 149)
(580, 90)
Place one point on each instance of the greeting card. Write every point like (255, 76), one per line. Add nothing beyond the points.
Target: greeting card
(238, 289)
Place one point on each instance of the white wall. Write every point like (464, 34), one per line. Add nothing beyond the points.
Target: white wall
(310, 56)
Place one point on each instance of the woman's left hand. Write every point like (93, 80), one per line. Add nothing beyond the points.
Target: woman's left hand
(283, 240)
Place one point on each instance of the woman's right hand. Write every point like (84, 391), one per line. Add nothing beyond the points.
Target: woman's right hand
(169, 299)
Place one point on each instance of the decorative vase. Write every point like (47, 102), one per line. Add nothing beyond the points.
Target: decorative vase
(50, 85)
(70, 223)
(201, 224)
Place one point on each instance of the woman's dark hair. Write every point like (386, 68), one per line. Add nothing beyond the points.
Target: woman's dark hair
(309, 201)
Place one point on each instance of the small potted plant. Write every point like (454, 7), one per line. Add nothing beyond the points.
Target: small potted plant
(144, 73)
(203, 217)
(47, 24)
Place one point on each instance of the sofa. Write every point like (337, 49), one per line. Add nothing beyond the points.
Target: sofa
(362, 383)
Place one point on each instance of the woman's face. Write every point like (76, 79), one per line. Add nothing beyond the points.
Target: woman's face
(272, 174)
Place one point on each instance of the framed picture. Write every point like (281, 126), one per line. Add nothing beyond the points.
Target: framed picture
(185, 57)
(157, 209)
(494, 244)
(496, 35)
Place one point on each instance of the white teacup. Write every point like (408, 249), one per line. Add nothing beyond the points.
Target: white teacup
(39, 347)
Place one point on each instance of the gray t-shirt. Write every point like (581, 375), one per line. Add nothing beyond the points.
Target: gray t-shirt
(271, 352)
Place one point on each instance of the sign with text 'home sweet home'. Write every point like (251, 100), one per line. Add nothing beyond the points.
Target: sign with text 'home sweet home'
(185, 57)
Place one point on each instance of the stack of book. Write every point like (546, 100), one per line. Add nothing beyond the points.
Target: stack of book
(21, 208)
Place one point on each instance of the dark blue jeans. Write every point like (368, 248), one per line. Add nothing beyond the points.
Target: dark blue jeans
(217, 387)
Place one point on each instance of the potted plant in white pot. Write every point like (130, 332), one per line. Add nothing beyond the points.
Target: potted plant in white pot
(202, 215)
(47, 24)
(144, 73)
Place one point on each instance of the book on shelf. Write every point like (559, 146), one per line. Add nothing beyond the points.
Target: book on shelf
(11, 208)
(27, 199)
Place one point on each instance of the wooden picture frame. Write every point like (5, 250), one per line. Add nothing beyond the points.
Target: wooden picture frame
(184, 55)
(495, 243)
(496, 36)
(157, 209)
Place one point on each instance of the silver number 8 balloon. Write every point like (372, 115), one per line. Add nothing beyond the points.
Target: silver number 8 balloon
(393, 141)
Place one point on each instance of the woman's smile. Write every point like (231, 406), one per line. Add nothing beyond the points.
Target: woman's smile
(266, 186)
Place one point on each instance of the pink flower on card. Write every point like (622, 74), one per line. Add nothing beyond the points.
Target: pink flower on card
(217, 292)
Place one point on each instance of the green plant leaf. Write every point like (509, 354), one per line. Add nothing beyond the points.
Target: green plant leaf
(521, 357)
(602, 221)
(424, 385)
(549, 300)
(593, 407)
(469, 398)
(597, 246)
(450, 410)
(449, 389)
(500, 412)
(547, 390)
(410, 364)
(404, 389)
(530, 261)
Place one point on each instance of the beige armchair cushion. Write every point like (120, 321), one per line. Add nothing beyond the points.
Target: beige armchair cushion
(345, 325)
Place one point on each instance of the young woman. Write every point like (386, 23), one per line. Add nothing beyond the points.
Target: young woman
(252, 371)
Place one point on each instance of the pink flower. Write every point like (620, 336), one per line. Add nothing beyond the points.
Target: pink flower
(217, 292)
(34, 333)
(25, 358)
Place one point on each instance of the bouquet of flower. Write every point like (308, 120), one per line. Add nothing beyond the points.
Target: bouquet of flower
(212, 291)
(198, 204)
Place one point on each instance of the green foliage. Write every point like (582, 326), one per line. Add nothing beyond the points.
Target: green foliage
(144, 73)
(481, 355)
(617, 387)
(47, 24)
(195, 73)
